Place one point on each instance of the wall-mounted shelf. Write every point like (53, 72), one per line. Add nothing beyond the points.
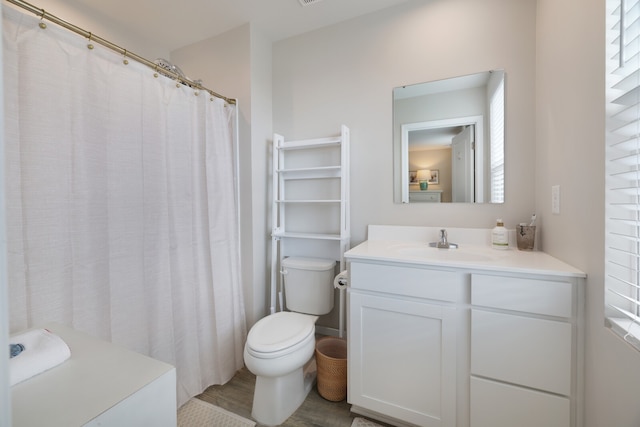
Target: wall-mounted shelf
(311, 143)
(292, 235)
(309, 201)
(311, 173)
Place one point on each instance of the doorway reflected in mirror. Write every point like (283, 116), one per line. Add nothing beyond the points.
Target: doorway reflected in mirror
(454, 127)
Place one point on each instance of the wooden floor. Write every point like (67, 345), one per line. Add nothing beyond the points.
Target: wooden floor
(237, 396)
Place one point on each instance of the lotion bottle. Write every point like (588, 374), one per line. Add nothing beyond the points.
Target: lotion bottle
(499, 236)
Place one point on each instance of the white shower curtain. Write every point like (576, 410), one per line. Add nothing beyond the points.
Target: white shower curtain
(121, 204)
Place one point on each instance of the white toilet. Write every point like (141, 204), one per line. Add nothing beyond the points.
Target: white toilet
(280, 347)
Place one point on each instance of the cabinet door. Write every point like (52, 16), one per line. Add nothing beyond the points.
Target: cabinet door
(402, 359)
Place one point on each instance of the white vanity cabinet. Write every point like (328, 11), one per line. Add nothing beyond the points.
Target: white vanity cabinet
(470, 337)
(525, 361)
(403, 329)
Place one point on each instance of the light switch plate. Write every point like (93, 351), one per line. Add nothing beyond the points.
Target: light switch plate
(555, 199)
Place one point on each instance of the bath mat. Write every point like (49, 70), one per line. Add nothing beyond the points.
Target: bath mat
(198, 413)
(363, 422)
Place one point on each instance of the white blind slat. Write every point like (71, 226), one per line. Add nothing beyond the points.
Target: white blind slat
(633, 301)
(630, 97)
(628, 114)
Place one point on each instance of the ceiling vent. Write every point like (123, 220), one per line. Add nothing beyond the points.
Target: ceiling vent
(308, 2)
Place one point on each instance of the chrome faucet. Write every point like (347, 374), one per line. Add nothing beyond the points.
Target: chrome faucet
(443, 243)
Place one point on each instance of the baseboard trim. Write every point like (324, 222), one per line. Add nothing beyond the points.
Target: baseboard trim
(326, 330)
(379, 417)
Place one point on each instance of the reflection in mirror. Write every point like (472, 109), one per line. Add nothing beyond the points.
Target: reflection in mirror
(454, 130)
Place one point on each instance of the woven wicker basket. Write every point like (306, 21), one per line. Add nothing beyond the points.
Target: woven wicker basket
(331, 358)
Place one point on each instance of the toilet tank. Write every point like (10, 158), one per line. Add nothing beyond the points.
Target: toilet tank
(308, 284)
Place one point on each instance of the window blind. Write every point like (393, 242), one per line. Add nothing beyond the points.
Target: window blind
(496, 128)
(622, 200)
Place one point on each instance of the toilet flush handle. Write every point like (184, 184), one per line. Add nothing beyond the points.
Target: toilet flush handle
(284, 272)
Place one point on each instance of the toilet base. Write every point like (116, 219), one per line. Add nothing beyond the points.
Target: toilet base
(276, 398)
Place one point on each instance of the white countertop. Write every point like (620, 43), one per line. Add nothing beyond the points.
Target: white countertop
(410, 246)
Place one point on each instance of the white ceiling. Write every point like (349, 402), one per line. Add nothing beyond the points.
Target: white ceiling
(177, 23)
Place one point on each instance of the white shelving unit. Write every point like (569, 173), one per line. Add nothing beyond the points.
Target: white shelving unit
(310, 210)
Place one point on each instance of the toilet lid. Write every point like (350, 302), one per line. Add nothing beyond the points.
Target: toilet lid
(279, 331)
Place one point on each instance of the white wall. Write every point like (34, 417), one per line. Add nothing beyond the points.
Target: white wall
(570, 112)
(345, 74)
(261, 136)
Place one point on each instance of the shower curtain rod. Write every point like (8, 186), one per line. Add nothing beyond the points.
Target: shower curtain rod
(106, 43)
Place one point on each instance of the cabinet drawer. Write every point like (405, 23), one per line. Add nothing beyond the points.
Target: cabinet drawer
(553, 298)
(407, 281)
(494, 404)
(532, 352)
(424, 197)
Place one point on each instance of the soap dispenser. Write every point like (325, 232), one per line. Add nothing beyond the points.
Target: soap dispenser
(499, 236)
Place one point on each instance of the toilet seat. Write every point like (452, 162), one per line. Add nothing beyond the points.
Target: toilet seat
(280, 333)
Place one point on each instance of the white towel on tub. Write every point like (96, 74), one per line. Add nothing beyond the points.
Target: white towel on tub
(42, 351)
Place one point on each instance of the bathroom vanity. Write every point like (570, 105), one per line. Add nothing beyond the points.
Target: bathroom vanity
(462, 337)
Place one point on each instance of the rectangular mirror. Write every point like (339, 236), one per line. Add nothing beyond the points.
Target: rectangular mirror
(449, 140)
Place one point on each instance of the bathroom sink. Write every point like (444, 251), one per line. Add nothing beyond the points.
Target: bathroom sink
(461, 254)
